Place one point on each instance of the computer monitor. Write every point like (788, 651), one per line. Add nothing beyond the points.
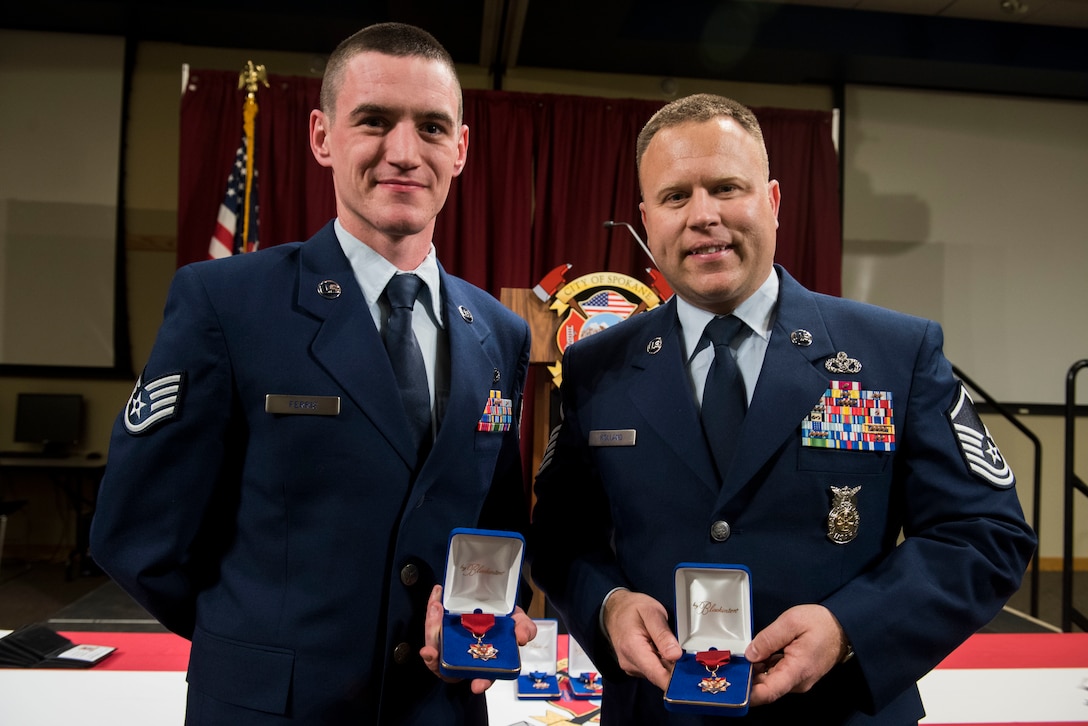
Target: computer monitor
(52, 420)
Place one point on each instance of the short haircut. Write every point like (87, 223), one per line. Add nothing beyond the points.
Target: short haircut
(395, 39)
(697, 109)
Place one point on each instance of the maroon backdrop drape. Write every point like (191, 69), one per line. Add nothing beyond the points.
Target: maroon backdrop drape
(544, 173)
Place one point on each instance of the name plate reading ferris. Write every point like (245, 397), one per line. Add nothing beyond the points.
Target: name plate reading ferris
(302, 405)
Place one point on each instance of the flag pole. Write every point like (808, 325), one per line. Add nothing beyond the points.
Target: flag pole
(249, 79)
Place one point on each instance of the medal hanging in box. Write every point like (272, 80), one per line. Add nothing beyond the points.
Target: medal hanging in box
(478, 624)
(712, 660)
(479, 598)
(714, 627)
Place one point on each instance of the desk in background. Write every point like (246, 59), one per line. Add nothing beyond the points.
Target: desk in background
(77, 477)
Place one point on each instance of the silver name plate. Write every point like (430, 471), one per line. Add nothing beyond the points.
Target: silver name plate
(302, 405)
(612, 437)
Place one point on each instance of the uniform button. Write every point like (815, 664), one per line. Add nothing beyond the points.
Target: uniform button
(719, 531)
(402, 653)
(409, 574)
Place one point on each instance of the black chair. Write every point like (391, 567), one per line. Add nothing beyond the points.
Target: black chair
(7, 509)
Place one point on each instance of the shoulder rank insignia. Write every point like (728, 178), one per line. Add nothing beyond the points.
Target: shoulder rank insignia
(977, 447)
(154, 402)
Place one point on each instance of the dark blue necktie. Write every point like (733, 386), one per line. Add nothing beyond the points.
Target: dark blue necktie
(407, 359)
(724, 398)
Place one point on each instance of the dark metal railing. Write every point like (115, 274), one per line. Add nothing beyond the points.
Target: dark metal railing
(1073, 483)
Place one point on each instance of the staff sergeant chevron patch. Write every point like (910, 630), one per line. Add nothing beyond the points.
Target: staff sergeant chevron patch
(977, 447)
(154, 402)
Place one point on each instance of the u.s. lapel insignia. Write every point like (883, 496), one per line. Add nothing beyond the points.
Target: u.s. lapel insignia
(801, 337)
(329, 289)
(848, 417)
(154, 403)
(498, 413)
(466, 314)
(841, 363)
(844, 518)
(977, 447)
(654, 346)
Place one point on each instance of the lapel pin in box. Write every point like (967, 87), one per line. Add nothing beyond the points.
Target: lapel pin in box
(714, 626)
(483, 574)
(584, 680)
(539, 663)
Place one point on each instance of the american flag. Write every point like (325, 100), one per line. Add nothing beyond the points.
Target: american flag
(608, 301)
(230, 225)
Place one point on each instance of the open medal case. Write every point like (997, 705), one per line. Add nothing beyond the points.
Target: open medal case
(714, 626)
(539, 663)
(483, 573)
(585, 681)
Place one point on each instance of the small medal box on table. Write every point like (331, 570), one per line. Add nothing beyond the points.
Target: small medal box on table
(585, 681)
(539, 659)
(714, 626)
(483, 573)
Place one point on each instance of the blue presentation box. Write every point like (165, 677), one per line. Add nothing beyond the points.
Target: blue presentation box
(713, 619)
(540, 663)
(483, 574)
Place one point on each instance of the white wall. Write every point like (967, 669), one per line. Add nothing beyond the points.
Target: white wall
(972, 210)
(59, 179)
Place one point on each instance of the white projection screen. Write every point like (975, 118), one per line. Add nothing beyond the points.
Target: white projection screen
(60, 146)
(972, 210)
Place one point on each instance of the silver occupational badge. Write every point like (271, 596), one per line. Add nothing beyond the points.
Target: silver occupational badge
(841, 363)
(844, 517)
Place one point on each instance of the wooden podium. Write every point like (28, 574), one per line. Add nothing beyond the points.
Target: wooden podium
(543, 324)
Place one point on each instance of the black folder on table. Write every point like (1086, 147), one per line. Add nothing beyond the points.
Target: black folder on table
(37, 646)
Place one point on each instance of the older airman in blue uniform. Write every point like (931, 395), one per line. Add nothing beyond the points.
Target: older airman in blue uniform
(857, 484)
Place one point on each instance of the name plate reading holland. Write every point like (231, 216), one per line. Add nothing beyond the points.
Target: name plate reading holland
(612, 437)
(302, 405)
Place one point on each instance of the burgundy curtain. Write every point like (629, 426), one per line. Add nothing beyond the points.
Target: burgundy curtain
(804, 161)
(483, 234)
(294, 192)
(544, 174)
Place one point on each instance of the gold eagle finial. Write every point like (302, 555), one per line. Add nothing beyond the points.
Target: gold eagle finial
(251, 76)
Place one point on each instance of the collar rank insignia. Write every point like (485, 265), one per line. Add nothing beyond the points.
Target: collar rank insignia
(847, 417)
(844, 518)
(498, 413)
(154, 403)
(977, 447)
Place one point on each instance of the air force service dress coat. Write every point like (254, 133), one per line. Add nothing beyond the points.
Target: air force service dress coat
(625, 516)
(297, 549)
